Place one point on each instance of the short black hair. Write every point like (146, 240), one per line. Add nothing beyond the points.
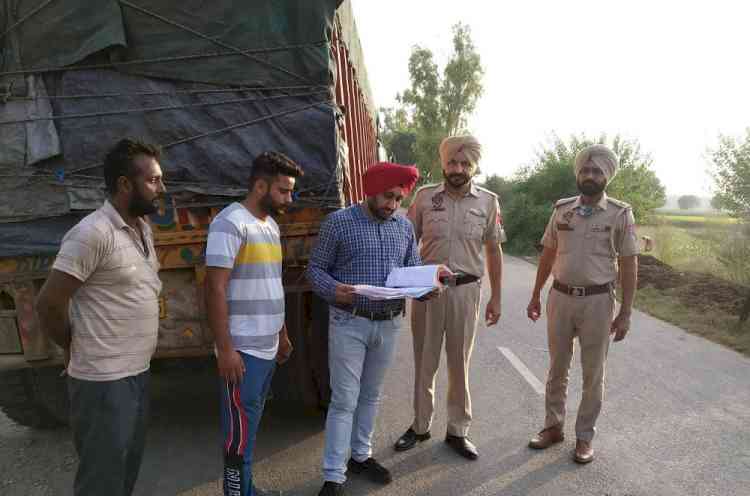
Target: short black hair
(268, 165)
(120, 160)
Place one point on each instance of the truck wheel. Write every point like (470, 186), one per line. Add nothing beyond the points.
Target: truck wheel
(35, 398)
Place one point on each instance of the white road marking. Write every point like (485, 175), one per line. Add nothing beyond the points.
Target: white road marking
(522, 369)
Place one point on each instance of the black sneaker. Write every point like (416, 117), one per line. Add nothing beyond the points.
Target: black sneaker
(372, 469)
(331, 488)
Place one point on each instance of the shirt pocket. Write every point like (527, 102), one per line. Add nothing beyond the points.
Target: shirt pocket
(436, 224)
(599, 241)
(475, 222)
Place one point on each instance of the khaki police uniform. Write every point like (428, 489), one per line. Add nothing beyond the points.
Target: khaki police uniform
(452, 231)
(587, 249)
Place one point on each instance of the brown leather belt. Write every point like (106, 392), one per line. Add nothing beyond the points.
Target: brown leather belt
(582, 290)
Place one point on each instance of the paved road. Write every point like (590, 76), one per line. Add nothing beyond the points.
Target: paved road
(676, 422)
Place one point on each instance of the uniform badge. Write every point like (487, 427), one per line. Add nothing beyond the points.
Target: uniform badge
(568, 215)
(600, 228)
(437, 201)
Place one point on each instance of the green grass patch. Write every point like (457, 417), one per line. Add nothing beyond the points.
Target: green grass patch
(715, 326)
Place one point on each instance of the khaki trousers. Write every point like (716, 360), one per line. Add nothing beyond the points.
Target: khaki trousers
(452, 317)
(588, 318)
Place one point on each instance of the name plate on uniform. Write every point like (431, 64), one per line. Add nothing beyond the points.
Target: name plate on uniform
(600, 228)
(564, 227)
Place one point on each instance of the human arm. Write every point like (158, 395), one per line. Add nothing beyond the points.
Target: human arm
(494, 255)
(628, 280)
(322, 259)
(52, 308)
(222, 247)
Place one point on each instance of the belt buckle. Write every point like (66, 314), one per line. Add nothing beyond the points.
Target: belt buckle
(578, 291)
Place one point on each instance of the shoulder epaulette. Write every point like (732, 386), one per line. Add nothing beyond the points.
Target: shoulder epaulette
(618, 203)
(485, 190)
(426, 187)
(565, 201)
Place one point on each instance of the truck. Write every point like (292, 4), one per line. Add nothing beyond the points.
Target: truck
(214, 84)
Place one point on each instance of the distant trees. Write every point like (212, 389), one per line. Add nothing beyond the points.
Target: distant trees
(686, 202)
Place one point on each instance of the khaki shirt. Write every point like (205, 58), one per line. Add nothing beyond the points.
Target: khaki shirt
(587, 247)
(453, 231)
(114, 315)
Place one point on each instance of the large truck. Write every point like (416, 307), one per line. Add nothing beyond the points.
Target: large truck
(215, 84)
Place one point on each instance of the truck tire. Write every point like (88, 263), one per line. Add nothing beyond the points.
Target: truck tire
(35, 398)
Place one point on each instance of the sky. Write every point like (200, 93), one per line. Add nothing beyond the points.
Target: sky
(672, 74)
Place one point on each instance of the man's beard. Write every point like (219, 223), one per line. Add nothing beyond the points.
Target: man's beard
(140, 206)
(380, 213)
(271, 208)
(590, 188)
(457, 179)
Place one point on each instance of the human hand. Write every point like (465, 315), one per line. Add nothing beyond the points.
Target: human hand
(620, 326)
(231, 366)
(534, 310)
(492, 312)
(344, 294)
(285, 349)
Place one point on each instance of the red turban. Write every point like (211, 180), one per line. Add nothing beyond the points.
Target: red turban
(383, 176)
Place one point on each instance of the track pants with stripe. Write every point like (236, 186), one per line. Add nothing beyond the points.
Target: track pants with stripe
(241, 409)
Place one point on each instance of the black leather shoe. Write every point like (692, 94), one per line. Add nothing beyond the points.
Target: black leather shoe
(331, 488)
(462, 446)
(409, 439)
(372, 469)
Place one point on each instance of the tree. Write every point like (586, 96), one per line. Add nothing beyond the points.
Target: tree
(435, 105)
(731, 174)
(686, 202)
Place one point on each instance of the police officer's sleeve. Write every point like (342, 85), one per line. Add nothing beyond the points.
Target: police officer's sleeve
(549, 240)
(493, 231)
(415, 216)
(627, 238)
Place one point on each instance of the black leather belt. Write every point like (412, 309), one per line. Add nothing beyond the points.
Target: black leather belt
(377, 316)
(459, 279)
(582, 290)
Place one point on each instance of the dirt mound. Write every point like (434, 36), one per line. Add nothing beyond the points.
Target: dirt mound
(694, 289)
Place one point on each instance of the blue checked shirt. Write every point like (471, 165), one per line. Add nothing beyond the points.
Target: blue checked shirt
(353, 248)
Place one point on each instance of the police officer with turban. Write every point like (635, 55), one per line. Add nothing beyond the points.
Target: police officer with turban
(458, 225)
(589, 245)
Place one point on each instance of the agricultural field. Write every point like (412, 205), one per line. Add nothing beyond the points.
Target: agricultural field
(698, 275)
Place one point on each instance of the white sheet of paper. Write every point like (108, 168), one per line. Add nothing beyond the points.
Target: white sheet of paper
(420, 276)
(380, 293)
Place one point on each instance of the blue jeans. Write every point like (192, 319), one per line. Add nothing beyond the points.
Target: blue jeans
(359, 353)
(241, 409)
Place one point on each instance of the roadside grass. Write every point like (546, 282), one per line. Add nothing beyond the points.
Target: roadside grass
(718, 327)
(691, 243)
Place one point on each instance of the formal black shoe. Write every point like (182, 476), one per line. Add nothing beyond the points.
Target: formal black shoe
(462, 446)
(372, 469)
(331, 488)
(409, 439)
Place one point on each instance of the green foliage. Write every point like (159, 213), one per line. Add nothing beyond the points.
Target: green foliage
(731, 173)
(688, 201)
(435, 105)
(528, 199)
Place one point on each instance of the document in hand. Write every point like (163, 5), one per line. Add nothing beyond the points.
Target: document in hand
(404, 282)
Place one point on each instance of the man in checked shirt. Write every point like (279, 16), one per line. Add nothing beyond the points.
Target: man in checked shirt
(361, 244)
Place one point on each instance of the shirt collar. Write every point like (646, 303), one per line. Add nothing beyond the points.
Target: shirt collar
(368, 215)
(473, 190)
(116, 219)
(601, 205)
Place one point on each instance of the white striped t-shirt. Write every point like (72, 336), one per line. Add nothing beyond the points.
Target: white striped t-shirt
(251, 247)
